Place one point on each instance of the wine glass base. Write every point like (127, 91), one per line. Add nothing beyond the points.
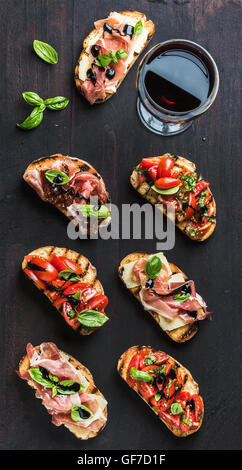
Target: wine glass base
(157, 126)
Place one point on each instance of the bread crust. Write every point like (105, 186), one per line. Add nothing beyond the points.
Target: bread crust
(79, 433)
(179, 335)
(148, 24)
(89, 271)
(189, 386)
(154, 198)
(42, 163)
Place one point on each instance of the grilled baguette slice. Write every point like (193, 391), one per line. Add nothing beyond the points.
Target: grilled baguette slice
(47, 162)
(80, 433)
(181, 334)
(84, 63)
(154, 198)
(89, 271)
(189, 385)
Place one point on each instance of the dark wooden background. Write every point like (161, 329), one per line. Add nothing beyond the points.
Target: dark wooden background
(111, 138)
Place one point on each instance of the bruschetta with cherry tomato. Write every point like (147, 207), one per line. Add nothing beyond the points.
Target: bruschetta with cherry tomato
(166, 386)
(171, 180)
(66, 388)
(71, 184)
(165, 293)
(69, 281)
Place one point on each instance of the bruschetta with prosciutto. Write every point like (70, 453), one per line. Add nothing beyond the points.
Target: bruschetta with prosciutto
(165, 293)
(166, 386)
(66, 388)
(69, 281)
(109, 51)
(69, 183)
(171, 180)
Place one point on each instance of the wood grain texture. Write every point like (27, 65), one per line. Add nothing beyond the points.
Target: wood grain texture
(112, 139)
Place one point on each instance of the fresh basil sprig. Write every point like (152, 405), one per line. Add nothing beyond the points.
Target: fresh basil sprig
(92, 318)
(153, 267)
(138, 28)
(88, 210)
(80, 413)
(32, 98)
(66, 387)
(45, 52)
(34, 119)
(139, 375)
(176, 408)
(57, 177)
(69, 275)
(57, 103)
(103, 60)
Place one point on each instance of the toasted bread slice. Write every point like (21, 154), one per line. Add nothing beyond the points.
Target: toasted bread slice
(181, 334)
(154, 198)
(89, 271)
(31, 174)
(80, 433)
(189, 385)
(84, 62)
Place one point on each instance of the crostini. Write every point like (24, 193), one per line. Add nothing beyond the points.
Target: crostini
(166, 386)
(109, 51)
(66, 388)
(172, 180)
(69, 281)
(165, 293)
(68, 183)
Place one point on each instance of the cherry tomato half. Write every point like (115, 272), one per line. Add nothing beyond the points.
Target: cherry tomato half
(146, 389)
(62, 263)
(165, 404)
(182, 398)
(198, 406)
(191, 205)
(34, 278)
(133, 363)
(73, 322)
(72, 289)
(99, 302)
(152, 172)
(166, 183)
(165, 166)
(148, 162)
(47, 271)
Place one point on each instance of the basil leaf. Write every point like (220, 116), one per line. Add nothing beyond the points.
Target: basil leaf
(92, 318)
(113, 57)
(121, 54)
(153, 267)
(138, 28)
(181, 297)
(185, 420)
(36, 375)
(57, 103)
(77, 295)
(176, 408)
(69, 387)
(32, 98)
(69, 275)
(34, 119)
(104, 60)
(157, 396)
(139, 375)
(54, 391)
(80, 413)
(45, 52)
(57, 177)
(149, 360)
(88, 210)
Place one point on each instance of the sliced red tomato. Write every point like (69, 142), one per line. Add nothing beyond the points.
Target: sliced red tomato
(160, 358)
(182, 398)
(154, 402)
(165, 404)
(165, 166)
(73, 322)
(133, 363)
(200, 186)
(152, 172)
(99, 302)
(189, 416)
(191, 205)
(62, 263)
(171, 419)
(47, 271)
(169, 388)
(59, 301)
(34, 278)
(149, 162)
(147, 390)
(198, 406)
(142, 355)
(166, 183)
(160, 384)
(152, 369)
(73, 288)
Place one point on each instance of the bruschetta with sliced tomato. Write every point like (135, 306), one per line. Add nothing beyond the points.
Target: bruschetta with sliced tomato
(166, 386)
(171, 180)
(66, 388)
(69, 281)
(68, 184)
(109, 51)
(165, 293)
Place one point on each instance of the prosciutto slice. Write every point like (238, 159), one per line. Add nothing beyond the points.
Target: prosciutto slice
(86, 184)
(59, 406)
